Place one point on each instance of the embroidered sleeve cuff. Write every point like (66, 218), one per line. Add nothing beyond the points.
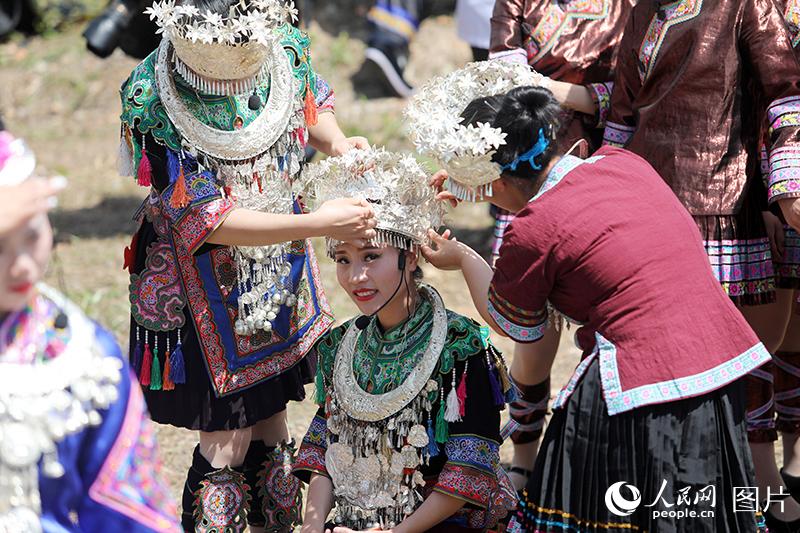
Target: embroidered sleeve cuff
(617, 135)
(325, 99)
(519, 324)
(310, 459)
(470, 471)
(784, 173)
(311, 456)
(601, 96)
(206, 210)
(517, 55)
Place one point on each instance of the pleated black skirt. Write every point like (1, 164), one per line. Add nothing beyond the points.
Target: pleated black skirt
(665, 468)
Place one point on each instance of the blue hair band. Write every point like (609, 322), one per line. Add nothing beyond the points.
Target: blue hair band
(538, 149)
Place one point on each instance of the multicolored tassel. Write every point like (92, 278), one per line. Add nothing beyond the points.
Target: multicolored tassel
(136, 358)
(144, 175)
(125, 165)
(155, 372)
(442, 429)
(461, 392)
(310, 108)
(180, 194)
(147, 364)
(177, 371)
(173, 166)
(497, 393)
(167, 383)
(432, 450)
(452, 411)
(129, 255)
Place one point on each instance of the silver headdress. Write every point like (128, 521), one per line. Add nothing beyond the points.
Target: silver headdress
(433, 118)
(395, 184)
(220, 55)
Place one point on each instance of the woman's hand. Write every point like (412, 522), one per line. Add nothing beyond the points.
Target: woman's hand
(28, 199)
(791, 211)
(444, 252)
(775, 234)
(345, 144)
(346, 219)
(437, 182)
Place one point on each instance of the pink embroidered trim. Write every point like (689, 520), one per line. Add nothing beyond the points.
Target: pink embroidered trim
(113, 491)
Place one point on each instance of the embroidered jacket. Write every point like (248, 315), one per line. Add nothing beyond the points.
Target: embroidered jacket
(467, 465)
(180, 285)
(637, 280)
(692, 82)
(573, 41)
(112, 477)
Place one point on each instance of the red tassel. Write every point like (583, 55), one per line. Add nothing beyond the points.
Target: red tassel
(461, 392)
(145, 174)
(257, 179)
(166, 380)
(300, 133)
(310, 109)
(180, 195)
(130, 254)
(147, 364)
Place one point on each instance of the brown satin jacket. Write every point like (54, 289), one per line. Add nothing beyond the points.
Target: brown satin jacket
(695, 81)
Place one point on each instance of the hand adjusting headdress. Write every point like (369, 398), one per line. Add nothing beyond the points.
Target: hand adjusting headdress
(396, 186)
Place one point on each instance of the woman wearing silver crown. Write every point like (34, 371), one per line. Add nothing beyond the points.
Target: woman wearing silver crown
(225, 297)
(652, 422)
(408, 429)
(77, 451)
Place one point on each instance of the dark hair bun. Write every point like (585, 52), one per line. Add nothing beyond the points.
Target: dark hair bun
(524, 111)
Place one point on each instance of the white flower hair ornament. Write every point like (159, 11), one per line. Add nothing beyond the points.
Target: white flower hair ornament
(247, 20)
(395, 185)
(433, 118)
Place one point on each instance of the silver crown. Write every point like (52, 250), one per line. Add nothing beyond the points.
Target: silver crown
(214, 47)
(433, 118)
(395, 184)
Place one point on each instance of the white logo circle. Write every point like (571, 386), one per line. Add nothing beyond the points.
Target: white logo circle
(618, 504)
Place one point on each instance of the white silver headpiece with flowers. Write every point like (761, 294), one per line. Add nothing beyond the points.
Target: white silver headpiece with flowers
(220, 55)
(396, 186)
(433, 118)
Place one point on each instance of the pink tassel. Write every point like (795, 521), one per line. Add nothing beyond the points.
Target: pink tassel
(145, 174)
(461, 392)
(147, 363)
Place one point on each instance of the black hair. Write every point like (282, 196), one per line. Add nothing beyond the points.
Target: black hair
(520, 114)
(220, 7)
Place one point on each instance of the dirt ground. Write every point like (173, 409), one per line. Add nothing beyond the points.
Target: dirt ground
(65, 102)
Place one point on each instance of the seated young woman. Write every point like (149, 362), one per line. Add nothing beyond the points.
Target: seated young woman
(407, 433)
(657, 402)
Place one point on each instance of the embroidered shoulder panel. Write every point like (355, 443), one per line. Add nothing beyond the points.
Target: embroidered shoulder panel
(666, 17)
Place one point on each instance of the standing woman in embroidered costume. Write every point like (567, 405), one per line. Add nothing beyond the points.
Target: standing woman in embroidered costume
(76, 440)
(571, 42)
(786, 367)
(664, 349)
(695, 81)
(225, 295)
(407, 433)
